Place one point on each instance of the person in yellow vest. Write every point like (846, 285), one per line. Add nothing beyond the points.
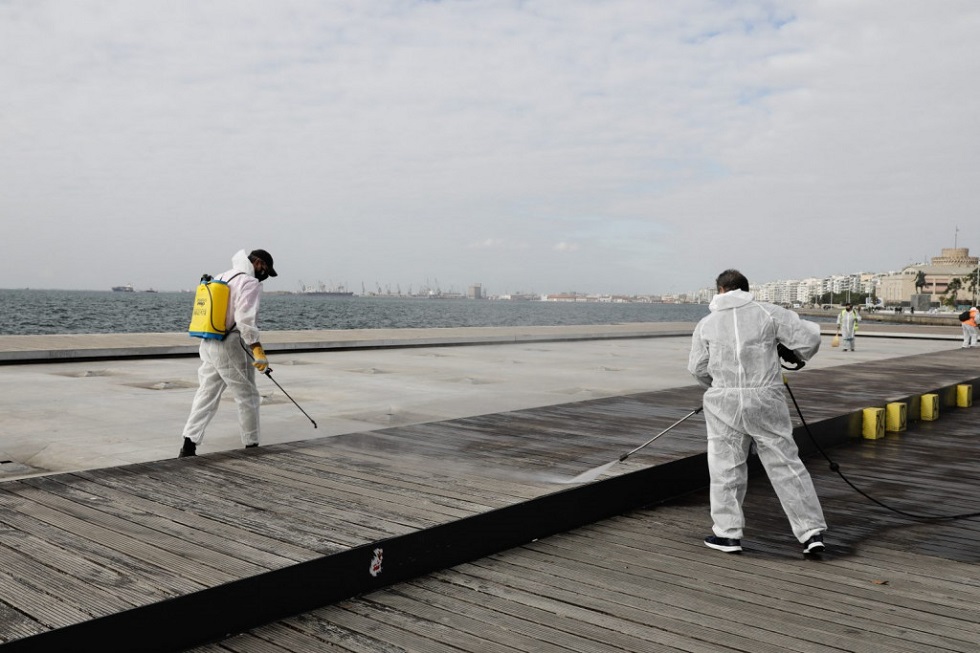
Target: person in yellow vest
(231, 361)
(847, 325)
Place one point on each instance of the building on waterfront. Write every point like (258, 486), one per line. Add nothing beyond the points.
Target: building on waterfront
(898, 287)
(890, 288)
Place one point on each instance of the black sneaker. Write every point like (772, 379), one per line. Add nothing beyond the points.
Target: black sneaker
(189, 449)
(728, 545)
(249, 446)
(814, 544)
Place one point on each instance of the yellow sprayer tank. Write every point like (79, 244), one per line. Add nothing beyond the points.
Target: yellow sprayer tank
(210, 309)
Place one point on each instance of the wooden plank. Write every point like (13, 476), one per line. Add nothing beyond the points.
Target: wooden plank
(371, 632)
(180, 558)
(315, 476)
(291, 505)
(176, 523)
(219, 498)
(542, 619)
(750, 590)
(453, 629)
(153, 500)
(60, 556)
(32, 593)
(659, 593)
(14, 624)
(318, 625)
(278, 638)
(633, 531)
(34, 535)
(417, 473)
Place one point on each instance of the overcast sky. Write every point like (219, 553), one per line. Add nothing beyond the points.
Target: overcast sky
(634, 146)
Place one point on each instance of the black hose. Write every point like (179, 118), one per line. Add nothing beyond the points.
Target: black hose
(834, 467)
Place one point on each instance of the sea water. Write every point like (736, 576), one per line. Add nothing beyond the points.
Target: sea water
(38, 312)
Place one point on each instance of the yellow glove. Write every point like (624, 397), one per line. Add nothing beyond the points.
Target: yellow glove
(261, 363)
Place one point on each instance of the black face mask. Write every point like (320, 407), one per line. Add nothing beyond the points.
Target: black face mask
(261, 275)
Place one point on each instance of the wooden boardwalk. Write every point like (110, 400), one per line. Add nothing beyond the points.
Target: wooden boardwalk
(161, 555)
(644, 582)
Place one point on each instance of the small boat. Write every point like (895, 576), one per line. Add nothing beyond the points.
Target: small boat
(126, 288)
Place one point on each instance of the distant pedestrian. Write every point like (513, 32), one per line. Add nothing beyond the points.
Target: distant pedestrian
(970, 329)
(231, 361)
(735, 355)
(847, 325)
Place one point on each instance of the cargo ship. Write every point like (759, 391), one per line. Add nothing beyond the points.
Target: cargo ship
(320, 289)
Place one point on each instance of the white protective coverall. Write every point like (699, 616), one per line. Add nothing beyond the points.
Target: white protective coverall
(847, 324)
(733, 354)
(224, 363)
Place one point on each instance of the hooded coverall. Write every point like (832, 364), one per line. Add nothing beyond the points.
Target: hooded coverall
(847, 324)
(224, 363)
(733, 355)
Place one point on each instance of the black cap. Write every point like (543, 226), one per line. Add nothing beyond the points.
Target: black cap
(267, 258)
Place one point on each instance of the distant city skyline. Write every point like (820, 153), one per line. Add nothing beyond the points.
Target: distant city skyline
(434, 286)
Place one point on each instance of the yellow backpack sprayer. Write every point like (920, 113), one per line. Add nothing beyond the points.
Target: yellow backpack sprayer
(210, 308)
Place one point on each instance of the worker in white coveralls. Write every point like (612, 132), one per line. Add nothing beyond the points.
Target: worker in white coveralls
(847, 325)
(734, 355)
(232, 361)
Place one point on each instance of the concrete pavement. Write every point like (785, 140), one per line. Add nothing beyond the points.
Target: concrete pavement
(123, 399)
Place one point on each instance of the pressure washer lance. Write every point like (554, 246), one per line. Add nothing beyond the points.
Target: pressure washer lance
(596, 472)
(268, 373)
(651, 440)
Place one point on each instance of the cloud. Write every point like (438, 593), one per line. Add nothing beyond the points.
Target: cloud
(386, 140)
(499, 244)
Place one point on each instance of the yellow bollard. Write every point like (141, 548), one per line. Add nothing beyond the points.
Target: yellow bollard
(929, 408)
(964, 395)
(874, 423)
(896, 416)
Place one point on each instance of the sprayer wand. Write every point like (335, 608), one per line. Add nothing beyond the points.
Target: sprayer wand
(592, 474)
(268, 373)
(651, 440)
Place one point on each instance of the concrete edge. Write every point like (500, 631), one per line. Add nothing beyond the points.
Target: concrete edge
(61, 349)
(272, 344)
